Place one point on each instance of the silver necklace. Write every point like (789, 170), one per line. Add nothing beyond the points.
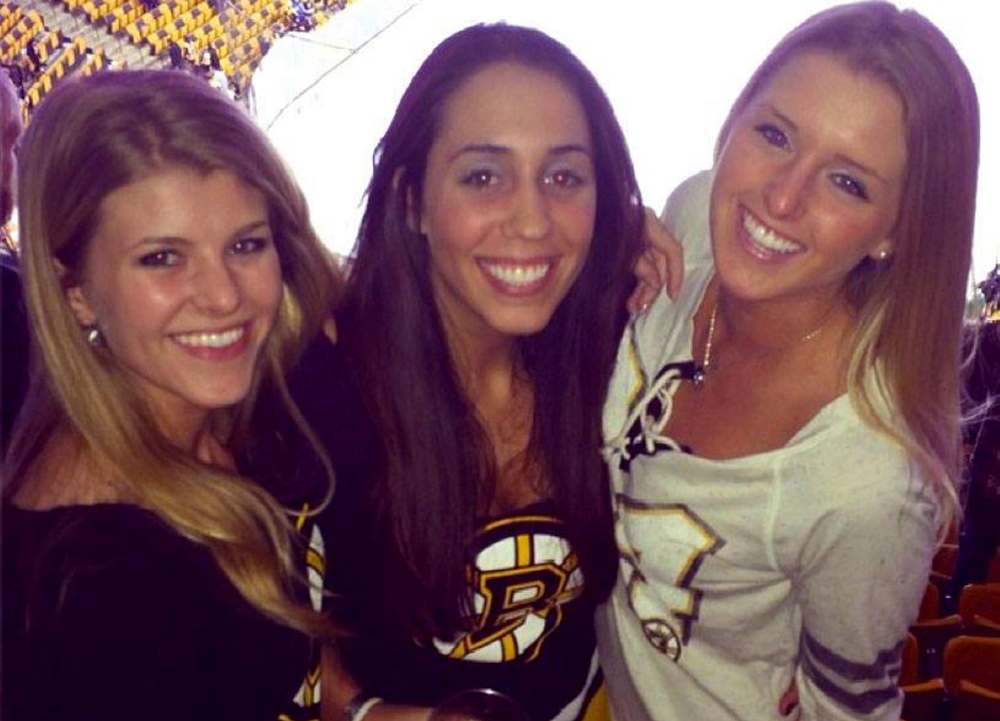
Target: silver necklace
(701, 371)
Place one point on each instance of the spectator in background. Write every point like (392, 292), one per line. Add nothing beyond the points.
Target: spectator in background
(176, 55)
(980, 535)
(16, 76)
(32, 53)
(10, 130)
(13, 328)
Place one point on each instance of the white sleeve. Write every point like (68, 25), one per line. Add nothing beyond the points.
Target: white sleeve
(861, 574)
(686, 215)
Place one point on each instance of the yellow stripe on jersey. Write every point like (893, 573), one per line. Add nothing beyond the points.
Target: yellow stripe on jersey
(509, 646)
(524, 549)
(316, 561)
(301, 516)
(599, 709)
(501, 522)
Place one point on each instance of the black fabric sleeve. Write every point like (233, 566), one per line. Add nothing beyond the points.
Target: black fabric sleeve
(122, 649)
(99, 621)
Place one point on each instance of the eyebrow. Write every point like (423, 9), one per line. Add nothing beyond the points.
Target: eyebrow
(844, 158)
(493, 149)
(178, 240)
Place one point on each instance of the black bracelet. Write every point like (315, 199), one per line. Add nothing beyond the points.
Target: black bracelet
(359, 706)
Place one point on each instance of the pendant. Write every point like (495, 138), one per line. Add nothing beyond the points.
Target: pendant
(698, 378)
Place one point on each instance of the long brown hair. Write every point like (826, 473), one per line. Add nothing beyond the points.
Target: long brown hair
(90, 137)
(438, 461)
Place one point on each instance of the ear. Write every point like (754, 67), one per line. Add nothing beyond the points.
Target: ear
(412, 211)
(85, 315)
(881, 250)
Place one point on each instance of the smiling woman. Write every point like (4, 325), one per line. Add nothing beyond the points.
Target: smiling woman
(509, 202)
(784, 439)
(170, 272)
(462, 400)
(182, 281)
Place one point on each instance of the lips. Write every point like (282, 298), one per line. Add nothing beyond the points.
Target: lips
(765, 242)
(520, 277)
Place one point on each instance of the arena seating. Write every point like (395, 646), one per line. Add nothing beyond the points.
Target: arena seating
(238, 37)
(955, 674)
(21, 32)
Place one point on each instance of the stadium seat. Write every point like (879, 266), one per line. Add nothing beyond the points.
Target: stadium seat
(909, 673)
(924, 701)
(980, 599)
(933, 635)
(974, 659)
(930, 604)
(970, 702)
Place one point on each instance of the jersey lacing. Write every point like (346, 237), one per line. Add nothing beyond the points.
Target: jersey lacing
(641, 432)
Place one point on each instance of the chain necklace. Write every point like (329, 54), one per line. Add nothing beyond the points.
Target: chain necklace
(701, 371)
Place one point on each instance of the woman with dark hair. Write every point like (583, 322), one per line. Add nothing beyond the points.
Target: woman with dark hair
(475, 341)
(784, 438)
(170, 272)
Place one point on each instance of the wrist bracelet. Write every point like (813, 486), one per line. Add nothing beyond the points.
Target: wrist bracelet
(360, 705)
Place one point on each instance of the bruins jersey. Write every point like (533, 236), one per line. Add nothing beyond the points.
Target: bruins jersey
(532, 635)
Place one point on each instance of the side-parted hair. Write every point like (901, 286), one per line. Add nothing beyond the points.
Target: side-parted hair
(90, 137)
(439, 464)
(907, 344)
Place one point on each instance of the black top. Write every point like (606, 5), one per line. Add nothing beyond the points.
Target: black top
(533, 637)
(110, 614)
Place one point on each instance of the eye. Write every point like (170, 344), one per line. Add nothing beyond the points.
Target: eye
(565, 178)
(850, 185)
(160, 259)
(772, 135)
(481, 178)
(245, 246)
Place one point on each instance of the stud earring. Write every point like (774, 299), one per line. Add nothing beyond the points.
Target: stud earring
(93, 335)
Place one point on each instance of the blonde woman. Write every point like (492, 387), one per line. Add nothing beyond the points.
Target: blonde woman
(784, 437)
(170, 272)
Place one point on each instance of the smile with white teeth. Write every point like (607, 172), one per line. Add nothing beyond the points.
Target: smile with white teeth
(517, 275)
(767, 238)
(211, 340)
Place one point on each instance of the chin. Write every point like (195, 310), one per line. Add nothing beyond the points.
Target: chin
(220, 398)
(523, 326)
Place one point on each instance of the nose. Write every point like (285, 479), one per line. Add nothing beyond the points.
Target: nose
(787, 191)
(529, 212)
(216, 290)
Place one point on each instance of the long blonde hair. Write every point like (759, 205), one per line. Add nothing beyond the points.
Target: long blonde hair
(907, 343)
(90, 137)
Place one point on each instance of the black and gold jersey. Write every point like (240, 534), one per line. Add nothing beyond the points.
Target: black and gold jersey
(532, 633)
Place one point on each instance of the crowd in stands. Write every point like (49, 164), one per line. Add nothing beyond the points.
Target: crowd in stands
(222, 40)
(37, 56)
